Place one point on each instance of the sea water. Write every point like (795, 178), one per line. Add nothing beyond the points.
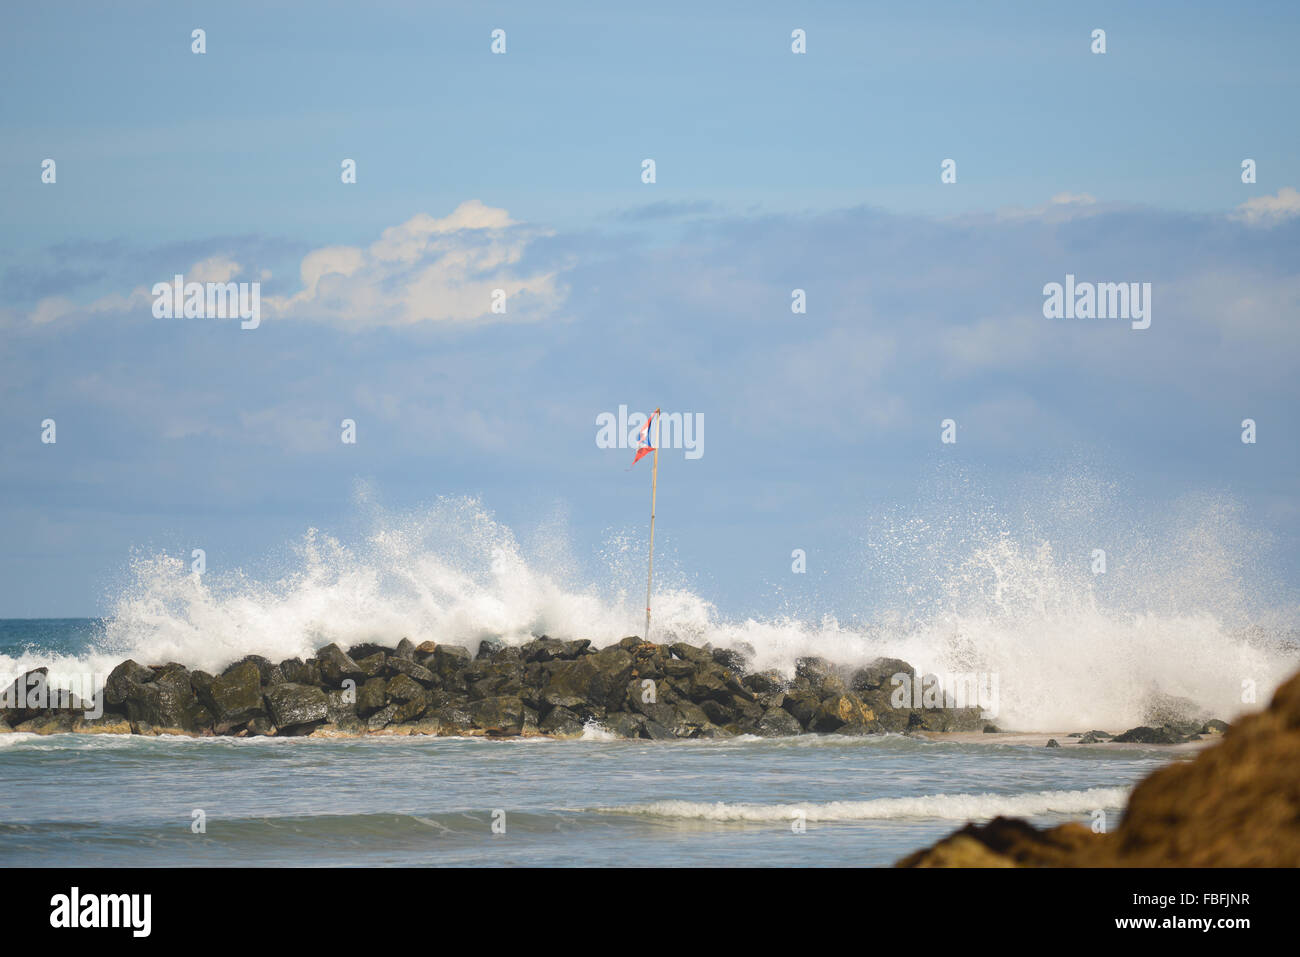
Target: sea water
(1072, 651)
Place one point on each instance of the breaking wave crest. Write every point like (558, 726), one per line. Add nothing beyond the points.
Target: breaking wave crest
(955, 807)
(1071, 649)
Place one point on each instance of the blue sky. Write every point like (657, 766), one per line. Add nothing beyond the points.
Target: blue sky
(775, 171)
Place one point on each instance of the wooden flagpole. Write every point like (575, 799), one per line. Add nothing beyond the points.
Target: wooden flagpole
(654, 488)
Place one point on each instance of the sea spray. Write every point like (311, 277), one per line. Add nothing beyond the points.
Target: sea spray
(1066, 655)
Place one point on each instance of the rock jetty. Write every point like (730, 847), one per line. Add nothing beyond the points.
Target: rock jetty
(632, 689)
(548, 686)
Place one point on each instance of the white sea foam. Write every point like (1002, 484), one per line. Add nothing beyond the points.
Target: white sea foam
(955, 807)
(1071, 650)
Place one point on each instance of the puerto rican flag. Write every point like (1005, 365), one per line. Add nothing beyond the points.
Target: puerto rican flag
(643, 445)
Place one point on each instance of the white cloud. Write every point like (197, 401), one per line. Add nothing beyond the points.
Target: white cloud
(425, 269)
(1060, 208)
(1269, 210)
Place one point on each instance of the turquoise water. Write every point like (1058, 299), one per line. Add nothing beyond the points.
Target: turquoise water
(130, 801)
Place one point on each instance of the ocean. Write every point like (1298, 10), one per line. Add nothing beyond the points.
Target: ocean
(113, 801)
(1067, 655)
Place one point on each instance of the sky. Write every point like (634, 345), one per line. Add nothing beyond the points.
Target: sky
(522, 171)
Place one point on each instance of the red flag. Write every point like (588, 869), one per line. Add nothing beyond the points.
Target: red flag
(643, 439)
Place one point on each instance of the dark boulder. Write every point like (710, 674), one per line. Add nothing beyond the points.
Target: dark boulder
(592, 681)
(803, 705)
(342, 710)
(777, 723)
(292, 705)
(549, 649)
(765, 682)
(450, 659)
(841, 709)
(1146, 735)
(498, 716)
(27, 696)
(405, 649)
(878, 674)
(337, 667)
(268, 671)
(165, 704)
(372, 696)
(372, 665)
(562, 723)
(367, 648)
(696, 656)
(235, 696)
(732, 659)
(120, 680)
(626, 724)
(382, 718)
(409, 696)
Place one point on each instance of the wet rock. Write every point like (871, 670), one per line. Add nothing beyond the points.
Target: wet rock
(381, 718)
(1146, 735)
(426, 725)
(235, 696)
(1053, 743)
(52, 722)
(372, 696)
(550, 649)
(372, 666)
(408, 667)
(592, 681)
(292, 705)
(368, 648)
(842, 709)
(337, 667)
(405, 649)
(165, 704)
(488, 647)
(562, 723)
(342, 710)
(626, 724)
(27, 696)
(694, 655)
(498, 716)
(455, 718)
(712, 731)
(687, 720)
(268, 672)
(777, 723)
(803, 705)
(491, 679)
(1214, 726)
(732, 659)
(409, 696)
(655, 731)
(878, 674)
(201, 683)
(765, 682)
(260, 726)
(106, 723)
(121, 679)
(450, 659)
